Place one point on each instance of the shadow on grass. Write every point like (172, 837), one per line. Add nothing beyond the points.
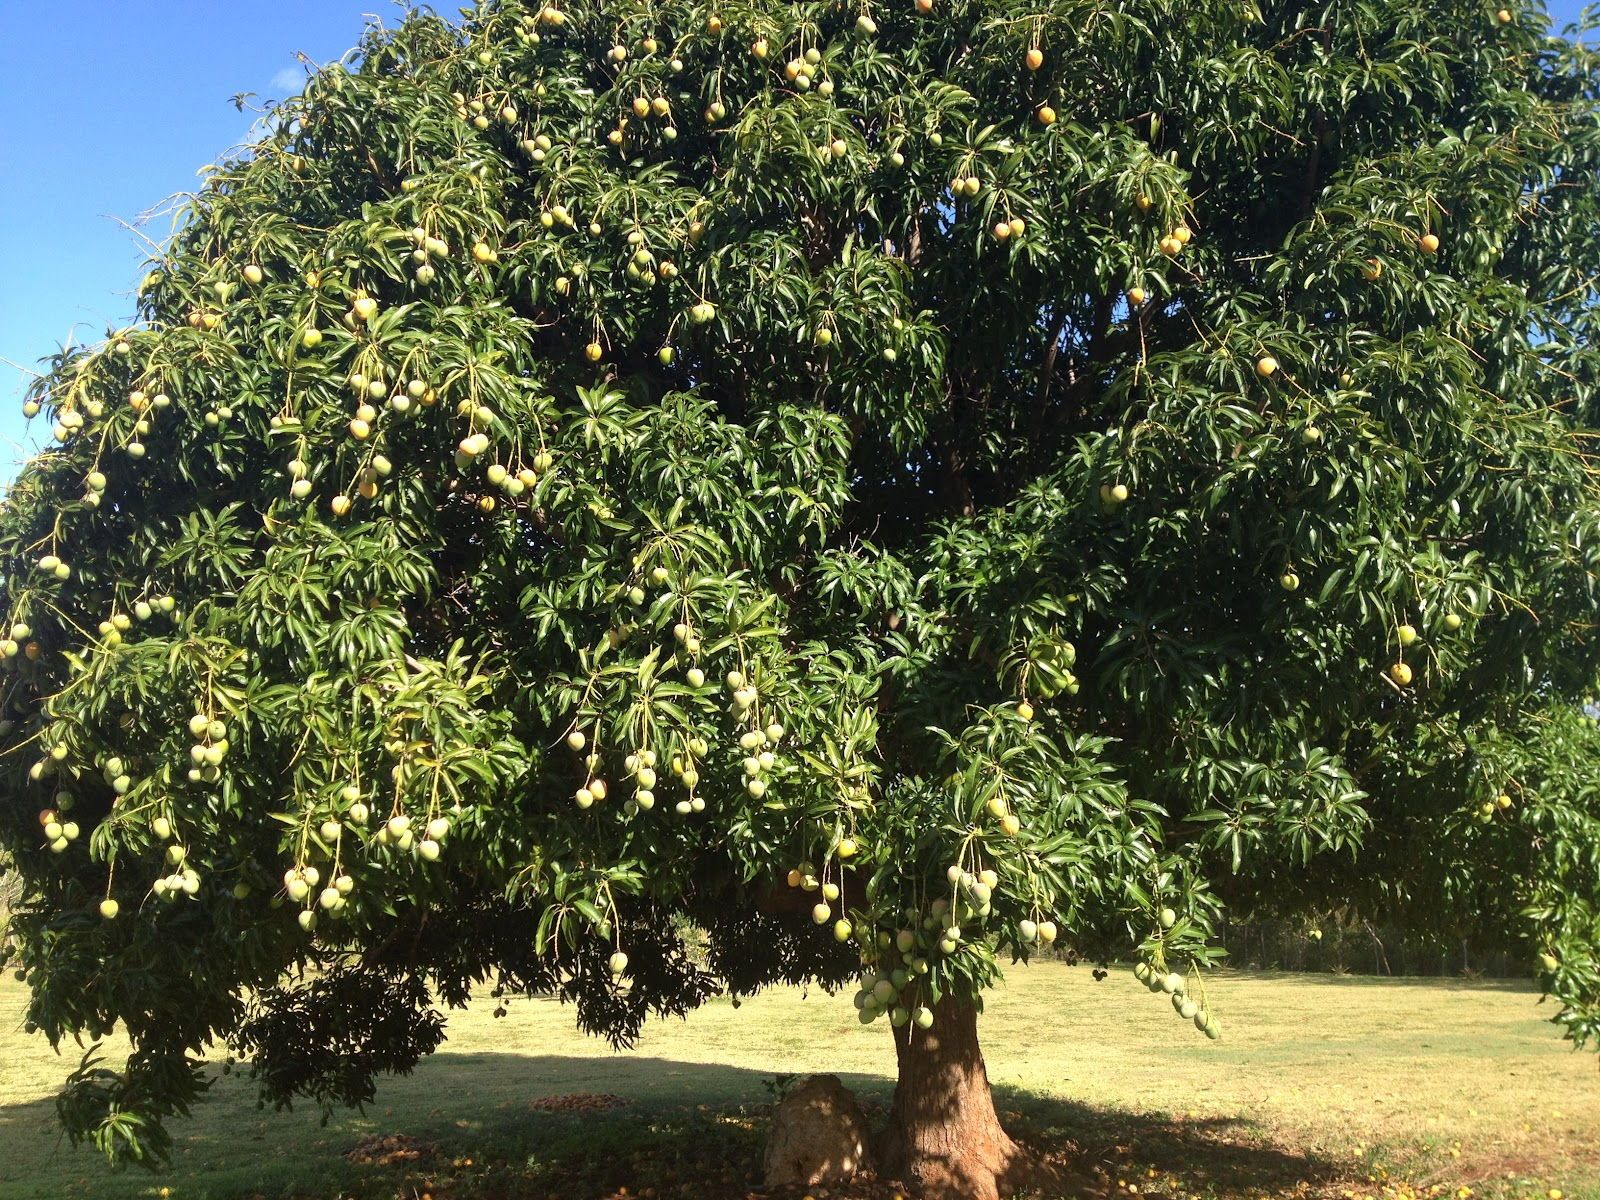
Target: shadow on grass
(1449, 983)
(1098, 1150)
(492, 1126)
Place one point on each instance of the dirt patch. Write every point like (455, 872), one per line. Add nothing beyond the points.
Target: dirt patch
(390, 1150)
(861, 1188)
(579, 1102)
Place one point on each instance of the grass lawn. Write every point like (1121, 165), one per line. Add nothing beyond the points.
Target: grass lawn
(1334, 1086)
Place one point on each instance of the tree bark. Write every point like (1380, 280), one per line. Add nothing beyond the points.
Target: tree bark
(944, 1139)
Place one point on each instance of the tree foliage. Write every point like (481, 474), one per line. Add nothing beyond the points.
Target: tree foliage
(882, 486)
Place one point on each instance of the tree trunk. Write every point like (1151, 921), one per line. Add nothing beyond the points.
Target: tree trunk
(944, 1138)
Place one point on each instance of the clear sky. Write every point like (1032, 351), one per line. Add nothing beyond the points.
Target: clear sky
(107, 107)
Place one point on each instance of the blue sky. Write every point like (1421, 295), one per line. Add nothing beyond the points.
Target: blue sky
(107, 107)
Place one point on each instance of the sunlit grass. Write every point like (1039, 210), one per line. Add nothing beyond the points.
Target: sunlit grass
(1447, 1084)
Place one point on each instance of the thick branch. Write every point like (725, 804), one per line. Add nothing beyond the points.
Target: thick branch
(1047, 370)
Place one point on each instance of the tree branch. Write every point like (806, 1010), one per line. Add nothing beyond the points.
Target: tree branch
(1047, 370)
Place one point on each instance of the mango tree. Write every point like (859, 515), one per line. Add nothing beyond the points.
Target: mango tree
(635, 502)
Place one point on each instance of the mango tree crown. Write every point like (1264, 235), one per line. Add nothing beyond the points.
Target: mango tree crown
(626, 501)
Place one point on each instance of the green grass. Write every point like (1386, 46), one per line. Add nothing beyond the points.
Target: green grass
(1319, 1082)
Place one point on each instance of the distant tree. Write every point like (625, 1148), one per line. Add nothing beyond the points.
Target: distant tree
(10, 886)
(896, 485)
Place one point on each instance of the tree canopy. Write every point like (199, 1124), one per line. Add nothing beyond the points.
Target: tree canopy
(630, 501)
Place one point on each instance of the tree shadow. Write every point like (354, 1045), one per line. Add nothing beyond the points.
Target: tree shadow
(491, 1125)
(1355, 981)
(1094, 1150)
